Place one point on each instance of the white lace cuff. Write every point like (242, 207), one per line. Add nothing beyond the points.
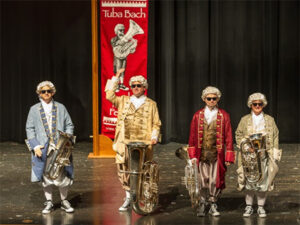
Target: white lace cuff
(110, 83)
(277, 154)
(38, 146)
(154, 135)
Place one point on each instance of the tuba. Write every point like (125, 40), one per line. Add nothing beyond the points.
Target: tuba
(144, 177)
(122, 51)
(59, 156)
(253, 151)
(190, 180)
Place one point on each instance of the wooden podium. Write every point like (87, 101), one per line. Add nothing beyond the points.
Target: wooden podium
(102, 145)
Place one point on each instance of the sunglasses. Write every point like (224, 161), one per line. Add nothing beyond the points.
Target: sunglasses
(136, 85)
(209, 99)
(46, 91)
(258, 104)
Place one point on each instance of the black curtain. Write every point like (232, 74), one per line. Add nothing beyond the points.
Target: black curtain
(241, 47)
(45, 40)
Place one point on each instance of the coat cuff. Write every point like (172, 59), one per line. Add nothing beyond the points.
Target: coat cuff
(110, 84)
(38, 146)
(32, 143)
(230, 156)
(192, 152)
(277, 154)
(154, 135)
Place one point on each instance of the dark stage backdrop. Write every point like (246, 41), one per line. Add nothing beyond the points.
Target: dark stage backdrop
(239, 46)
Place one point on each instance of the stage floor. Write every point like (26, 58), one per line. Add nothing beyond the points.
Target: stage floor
(96, 193)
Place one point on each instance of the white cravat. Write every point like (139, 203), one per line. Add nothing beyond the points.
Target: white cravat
(258, 122)
(137, 102)
(210, 115)
(48, 112)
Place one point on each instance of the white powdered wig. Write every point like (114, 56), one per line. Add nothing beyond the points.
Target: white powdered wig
(257, 97)
(43, 84)
(140, 79)
(211, 90)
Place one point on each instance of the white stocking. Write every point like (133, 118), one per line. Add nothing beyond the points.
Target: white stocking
(63, 192)
(249, 197)
(48, 192)
(261, 198)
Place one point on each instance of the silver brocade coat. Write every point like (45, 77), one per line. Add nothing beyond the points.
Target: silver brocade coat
(270, 167)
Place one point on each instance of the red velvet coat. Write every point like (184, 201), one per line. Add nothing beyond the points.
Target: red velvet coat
(224, 137)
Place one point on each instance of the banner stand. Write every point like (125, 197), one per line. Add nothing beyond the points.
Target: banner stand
(102, 145)
(123, 29)
(104, 149)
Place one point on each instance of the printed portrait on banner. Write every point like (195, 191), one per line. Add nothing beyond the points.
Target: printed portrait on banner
(122, 46)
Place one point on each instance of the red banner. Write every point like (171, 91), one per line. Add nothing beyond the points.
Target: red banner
(124, 43)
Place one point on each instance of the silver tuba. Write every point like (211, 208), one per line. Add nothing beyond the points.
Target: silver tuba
(253, 151)
(59, 156)
(122, 51)
(144, 177)
(190, 180)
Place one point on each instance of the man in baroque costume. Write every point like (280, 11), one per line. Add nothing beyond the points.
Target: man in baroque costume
(138, 120)
(44, 121)
(211, 147)
(257, 182)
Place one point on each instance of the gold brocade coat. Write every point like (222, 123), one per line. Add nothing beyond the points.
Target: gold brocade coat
(148, 121)
(244, 129)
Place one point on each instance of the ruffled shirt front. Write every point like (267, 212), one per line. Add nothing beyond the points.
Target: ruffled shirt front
(258, 122)
(48, 112)
(210, 115)
(137, 101)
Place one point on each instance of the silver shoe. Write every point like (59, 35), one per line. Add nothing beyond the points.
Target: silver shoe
(248, 211)
(48, 208)
(201, 209)
(65, 205)
(125, 205)
(214, 210)
(261, 212)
